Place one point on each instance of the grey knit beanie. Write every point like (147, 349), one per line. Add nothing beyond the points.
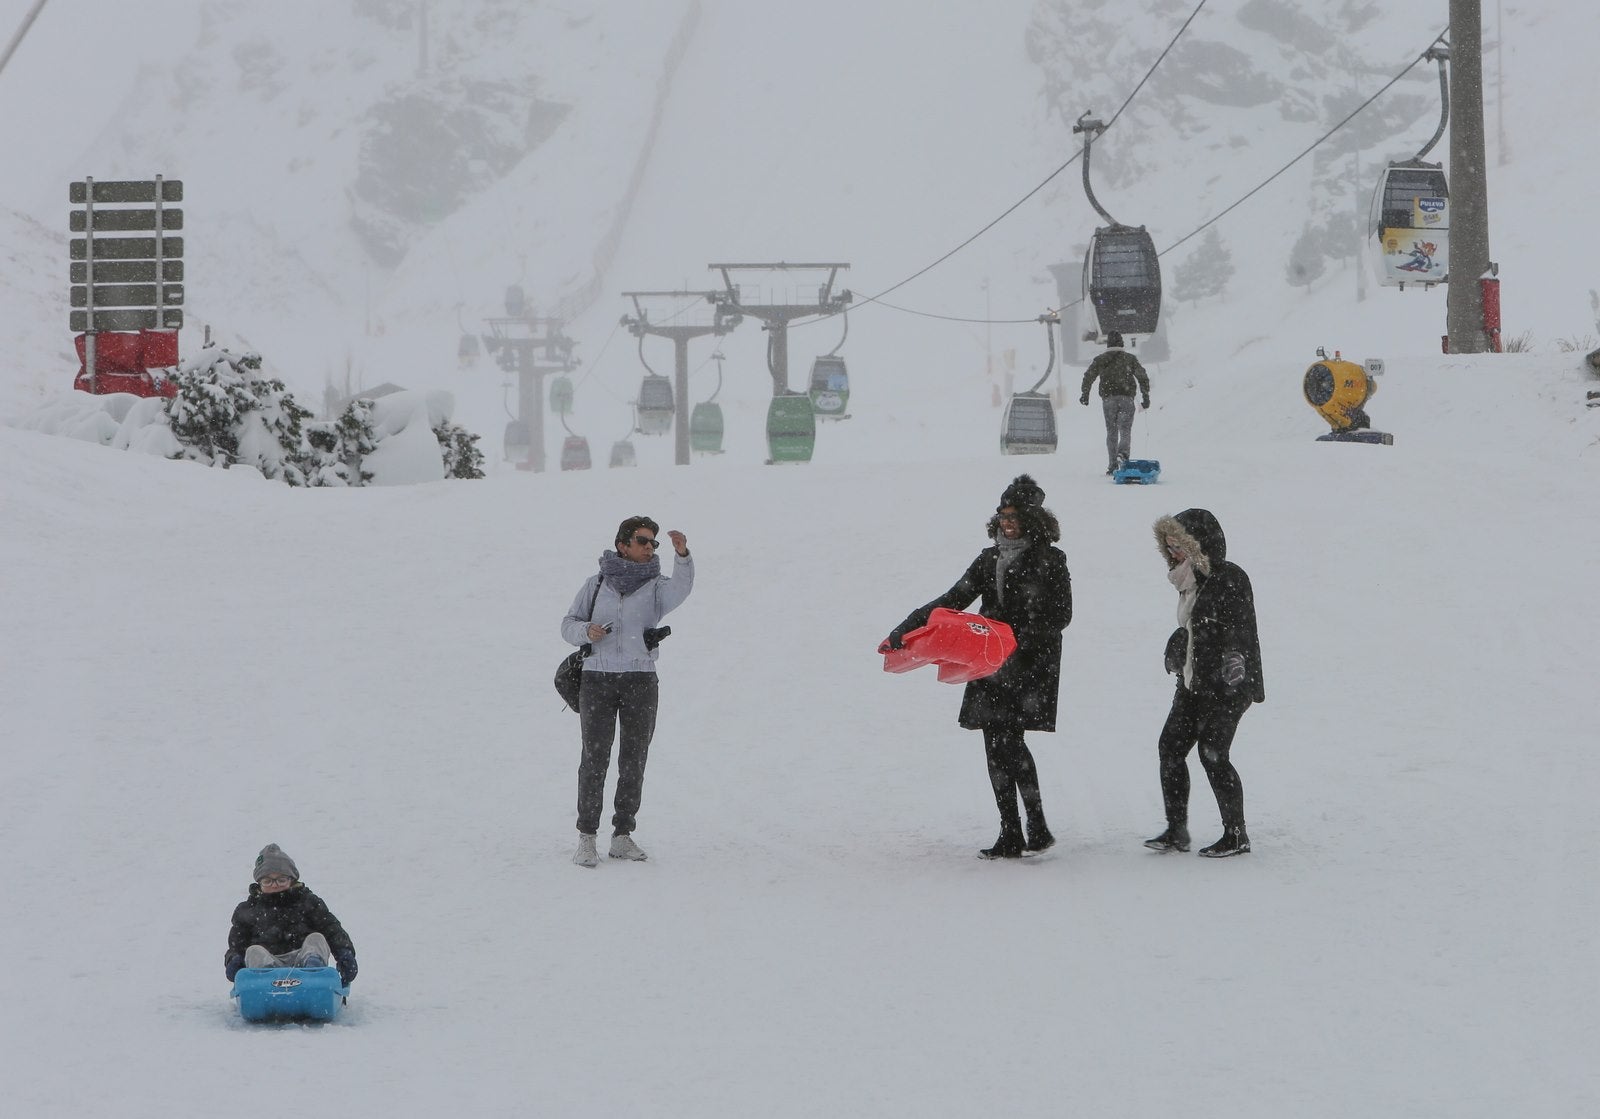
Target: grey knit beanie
(272, 860)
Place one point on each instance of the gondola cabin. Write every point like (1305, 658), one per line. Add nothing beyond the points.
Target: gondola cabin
(705, 428)
(830, 387)
(1410, 224)
(1028, 426)
(655, 406)
(467, 351)
(791, 428)
(1122, 275)
(575, 453)
(623, 454)
(561, 396)
(518, 442)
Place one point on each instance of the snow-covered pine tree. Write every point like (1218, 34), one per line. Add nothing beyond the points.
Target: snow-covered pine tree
(462, 459)
(1306, 260)
(1205, 272)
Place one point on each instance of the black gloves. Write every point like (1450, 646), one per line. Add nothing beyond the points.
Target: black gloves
(232, 965)
(1084, 399)
(895, 640)
(1145, 403)
(346, 963)
(1177, 650)
(1233, 670)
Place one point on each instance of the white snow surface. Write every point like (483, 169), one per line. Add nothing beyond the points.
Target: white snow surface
(196, 663)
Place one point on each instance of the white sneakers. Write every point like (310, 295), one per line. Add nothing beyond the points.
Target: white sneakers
(623, 847)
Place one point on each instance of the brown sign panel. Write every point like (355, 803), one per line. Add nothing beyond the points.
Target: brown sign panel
(138, 191)
(124, 220)
(125, 248)
(126, 271)
(125, 319)
(126, 295)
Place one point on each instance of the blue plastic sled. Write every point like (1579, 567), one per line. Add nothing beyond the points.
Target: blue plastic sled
(1140, 471)
(268, 994)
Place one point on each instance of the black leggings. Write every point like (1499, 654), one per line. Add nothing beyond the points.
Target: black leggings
(609, 699)
(1210, 724)
(1013, 774)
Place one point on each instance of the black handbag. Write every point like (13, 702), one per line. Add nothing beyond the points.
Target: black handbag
(569, 673)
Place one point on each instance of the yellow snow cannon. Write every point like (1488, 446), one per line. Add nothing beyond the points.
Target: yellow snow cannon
(1339, 390)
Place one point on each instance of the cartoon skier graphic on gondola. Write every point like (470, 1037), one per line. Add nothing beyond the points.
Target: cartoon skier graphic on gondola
(1421, 257)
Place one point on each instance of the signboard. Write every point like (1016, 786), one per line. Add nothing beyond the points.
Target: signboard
(115, 221)
(126, 192)
(127, 295)
(125, 284)
(126, 271)
(124, 248)
(127, 318)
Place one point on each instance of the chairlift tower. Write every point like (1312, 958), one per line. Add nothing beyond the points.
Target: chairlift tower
(723, 320)
(532, 346)
(777, 316)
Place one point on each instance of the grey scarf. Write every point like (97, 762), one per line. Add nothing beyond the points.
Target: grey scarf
(1009, 551)
(625, 575)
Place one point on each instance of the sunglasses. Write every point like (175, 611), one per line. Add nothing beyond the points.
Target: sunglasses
(647, 541)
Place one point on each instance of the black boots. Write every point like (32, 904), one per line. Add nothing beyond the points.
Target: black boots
(1234, 841)
(1008, 846)
(1175, 838)
(1039, 839)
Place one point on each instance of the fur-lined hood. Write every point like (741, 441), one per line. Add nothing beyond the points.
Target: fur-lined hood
(1200, 534)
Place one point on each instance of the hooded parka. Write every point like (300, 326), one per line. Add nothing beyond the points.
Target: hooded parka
(1223, 620)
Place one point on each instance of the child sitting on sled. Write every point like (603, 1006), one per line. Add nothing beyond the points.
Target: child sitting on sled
(284, 924)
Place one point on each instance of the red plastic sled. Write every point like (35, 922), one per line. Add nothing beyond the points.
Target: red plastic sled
(964, 646)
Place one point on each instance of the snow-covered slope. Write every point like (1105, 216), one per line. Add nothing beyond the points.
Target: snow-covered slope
(198, 662)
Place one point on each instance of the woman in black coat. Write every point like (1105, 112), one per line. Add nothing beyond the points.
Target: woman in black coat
(1021, 580)
(1216, 656)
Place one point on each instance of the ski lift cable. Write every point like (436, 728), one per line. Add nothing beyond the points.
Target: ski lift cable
(1210, 221)
(1042, 184)
(1313, 146)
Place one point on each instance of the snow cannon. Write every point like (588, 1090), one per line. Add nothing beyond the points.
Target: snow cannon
(1339, 391)
(964, 646)
(286, 994)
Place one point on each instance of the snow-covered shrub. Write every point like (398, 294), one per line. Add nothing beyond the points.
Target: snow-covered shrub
(336, 447)
(462, 459)
(227, 412)
(1205, 272)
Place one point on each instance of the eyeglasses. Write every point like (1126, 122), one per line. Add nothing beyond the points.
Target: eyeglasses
(277, 880)
(1008, 516)
(647, 541)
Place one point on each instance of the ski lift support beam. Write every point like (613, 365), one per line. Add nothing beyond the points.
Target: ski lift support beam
(515, 339)
(724, 319)
(777, 316)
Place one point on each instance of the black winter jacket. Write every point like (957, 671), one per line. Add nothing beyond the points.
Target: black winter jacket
(1224, 616)
(281, 922)
(1119, 372)
(1037, 607)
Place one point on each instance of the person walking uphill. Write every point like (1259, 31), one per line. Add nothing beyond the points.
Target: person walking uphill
(1120, 375)
(1216, 656)
(1023, 581)
(616, 612)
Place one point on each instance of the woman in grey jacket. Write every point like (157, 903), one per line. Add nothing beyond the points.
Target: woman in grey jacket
(616, 613)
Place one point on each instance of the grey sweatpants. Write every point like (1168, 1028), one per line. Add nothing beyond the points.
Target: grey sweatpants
(610, 699)
(1119, 428)
(315, 944)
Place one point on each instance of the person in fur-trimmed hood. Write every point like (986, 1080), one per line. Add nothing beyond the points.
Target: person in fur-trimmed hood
(1216, 656)
(1022, 580)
